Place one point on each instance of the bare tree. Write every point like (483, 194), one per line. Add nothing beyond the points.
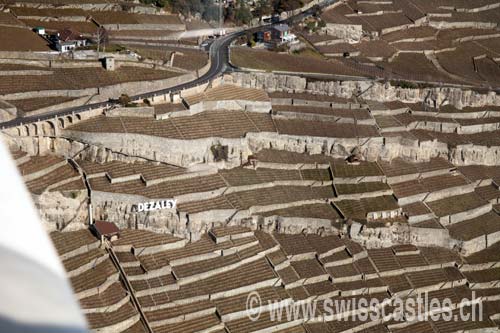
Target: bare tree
(102, 39)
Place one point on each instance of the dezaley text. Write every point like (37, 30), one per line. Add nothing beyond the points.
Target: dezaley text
(156, 205)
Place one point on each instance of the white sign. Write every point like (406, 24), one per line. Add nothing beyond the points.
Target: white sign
(156, 205)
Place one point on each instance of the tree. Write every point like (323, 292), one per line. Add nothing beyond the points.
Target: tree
(211, 13)
(229, 13)
(179, 6)
(102, 39)
(161, 3)
(157, 3)
(287, 5)
(311, 26)
(195, 6)
(316, 11)
(126, 6)
(243, 15)
(263, 8)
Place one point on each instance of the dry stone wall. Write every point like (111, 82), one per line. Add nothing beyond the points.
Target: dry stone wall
(400, 234)
(63, 211)
(121, 209)
(387, 148)
(378, 91)
(173, 151)
(348, 32)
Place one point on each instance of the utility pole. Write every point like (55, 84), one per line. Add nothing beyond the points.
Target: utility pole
(221, 15)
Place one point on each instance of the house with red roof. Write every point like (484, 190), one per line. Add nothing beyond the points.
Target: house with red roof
(69, 39)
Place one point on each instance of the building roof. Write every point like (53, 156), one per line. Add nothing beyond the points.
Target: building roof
(106, 228)
(69, 34)
(282, 27)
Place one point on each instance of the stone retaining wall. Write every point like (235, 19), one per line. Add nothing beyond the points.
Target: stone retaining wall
(141, 112)
(349, 32)
(377, 91)
(242, 105)
(173, 151)
(136, 8)
(167, 27)
(402, 234)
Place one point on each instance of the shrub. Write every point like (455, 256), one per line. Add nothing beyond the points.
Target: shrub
(287, 5)
(311, 25)
(242, 14)
(220, 152)
(124, 100)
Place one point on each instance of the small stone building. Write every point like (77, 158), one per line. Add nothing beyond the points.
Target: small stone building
(109, 63)
(106, 230)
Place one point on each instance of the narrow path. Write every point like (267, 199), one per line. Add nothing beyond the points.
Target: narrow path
(128, 286)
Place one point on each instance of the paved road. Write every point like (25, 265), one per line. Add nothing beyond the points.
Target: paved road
(219, 60)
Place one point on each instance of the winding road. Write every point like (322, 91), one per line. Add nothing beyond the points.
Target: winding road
(219, 63)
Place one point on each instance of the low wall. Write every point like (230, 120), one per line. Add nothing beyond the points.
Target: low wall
(30, 55)
(51, 93)
(104, 6)
(50, 18)
(167, 27)
(461, 25)
(243, 105)
(465, 215)
(141, 112)
(32, 72)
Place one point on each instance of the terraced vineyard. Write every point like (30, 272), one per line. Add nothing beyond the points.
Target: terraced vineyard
(177, 285)
(448, 42)
(357, 163)
(277, 186)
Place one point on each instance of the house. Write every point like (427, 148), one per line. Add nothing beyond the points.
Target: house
(278, 34)
(106, 230)
(282, 33)
(69, 39)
